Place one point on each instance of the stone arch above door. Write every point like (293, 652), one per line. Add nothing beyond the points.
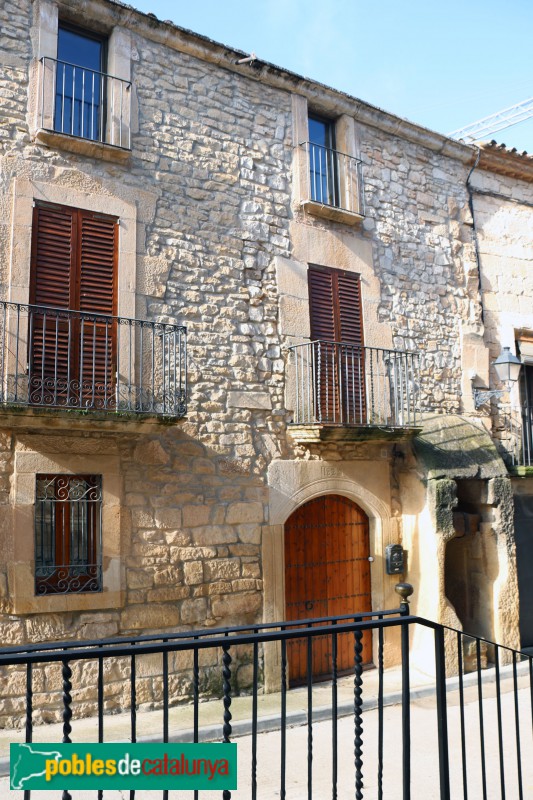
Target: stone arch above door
(293, 483)
(373, 506)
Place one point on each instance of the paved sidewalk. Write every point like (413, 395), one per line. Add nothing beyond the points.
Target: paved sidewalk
(150, 723)
(423, 729)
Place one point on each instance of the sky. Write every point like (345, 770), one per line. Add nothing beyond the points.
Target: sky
(440, 64)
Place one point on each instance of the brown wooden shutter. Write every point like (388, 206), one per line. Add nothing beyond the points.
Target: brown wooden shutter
(74, 266)
(98, 255)
(336, 322)
(52, 286)
(350, 323)
(98, 293)
(322, 304)
(53, 257)
(323, 332)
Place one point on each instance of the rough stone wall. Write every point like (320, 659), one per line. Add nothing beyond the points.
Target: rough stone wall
(212, 149)
(503, 210)
(47, 684)
(416, 206)
(15, 49)
(210, 174)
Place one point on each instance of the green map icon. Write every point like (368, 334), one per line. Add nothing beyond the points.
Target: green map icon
(29, 763)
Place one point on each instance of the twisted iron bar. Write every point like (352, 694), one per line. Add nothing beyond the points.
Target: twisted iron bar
(226, 689)
(358, 717)
(29, 713)
(67, 711)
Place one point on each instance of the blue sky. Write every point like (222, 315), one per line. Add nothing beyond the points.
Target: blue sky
(441, 64)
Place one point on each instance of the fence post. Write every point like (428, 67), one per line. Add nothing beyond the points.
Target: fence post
(405, 590)
(442, 719)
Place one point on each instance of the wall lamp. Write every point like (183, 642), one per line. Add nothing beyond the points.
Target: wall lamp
(507, 367)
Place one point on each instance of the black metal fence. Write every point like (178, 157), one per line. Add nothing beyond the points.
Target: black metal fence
(58, 358)
(468, 735)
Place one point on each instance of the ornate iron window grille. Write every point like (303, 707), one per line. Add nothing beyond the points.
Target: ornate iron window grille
(68, 534)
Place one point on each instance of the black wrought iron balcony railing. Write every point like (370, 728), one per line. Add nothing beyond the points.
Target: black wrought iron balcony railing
(334, 179)
(517, 447)
(84, 103)
(526, 451)
(336, 383)
(58, 358)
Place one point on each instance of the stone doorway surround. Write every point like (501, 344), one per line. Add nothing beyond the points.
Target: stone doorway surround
(293, 483)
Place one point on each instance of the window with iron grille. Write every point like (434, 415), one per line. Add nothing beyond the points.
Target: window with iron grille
(68, 534)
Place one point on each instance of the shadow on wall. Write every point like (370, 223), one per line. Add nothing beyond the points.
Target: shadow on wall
(471, 561)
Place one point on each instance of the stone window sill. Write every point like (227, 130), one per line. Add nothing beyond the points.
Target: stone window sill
(24, 600)
(85, 147)
(331, 212)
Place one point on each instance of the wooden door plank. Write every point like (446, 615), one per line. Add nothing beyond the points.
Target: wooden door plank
(326, 554)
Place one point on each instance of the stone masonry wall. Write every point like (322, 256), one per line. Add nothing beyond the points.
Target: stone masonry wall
(504, 216)
(209, 174)
(416, 205)
(210, 178)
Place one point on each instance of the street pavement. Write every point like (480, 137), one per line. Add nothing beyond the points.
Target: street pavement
(424, 742)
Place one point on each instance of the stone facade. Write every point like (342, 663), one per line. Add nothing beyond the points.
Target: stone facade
(213, 235)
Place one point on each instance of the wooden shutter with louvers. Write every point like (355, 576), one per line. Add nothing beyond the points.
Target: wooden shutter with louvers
(322, 304)
(350, 323)
(97, 293)
(53, 267)
(336, 324)
(74, 266)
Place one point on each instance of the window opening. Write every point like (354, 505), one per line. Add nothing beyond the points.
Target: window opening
(68, 534)
(339, 355)
(323, 161)
(73, 355)
(80, 84)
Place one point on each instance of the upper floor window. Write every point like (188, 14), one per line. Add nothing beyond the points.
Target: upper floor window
(331, 181)
(80, 84)
(323, 167)
(82, 101)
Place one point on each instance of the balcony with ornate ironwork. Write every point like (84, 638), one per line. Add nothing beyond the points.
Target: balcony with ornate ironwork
(514, 436)
(72, 361)
(340, 391)
(333, 184)
(84, 110)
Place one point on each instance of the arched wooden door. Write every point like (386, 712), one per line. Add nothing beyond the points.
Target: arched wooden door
(327, 573)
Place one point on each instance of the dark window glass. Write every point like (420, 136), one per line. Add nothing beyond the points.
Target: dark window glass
(80, 86)
(526, 396)
(321, 132)
(323, 161)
